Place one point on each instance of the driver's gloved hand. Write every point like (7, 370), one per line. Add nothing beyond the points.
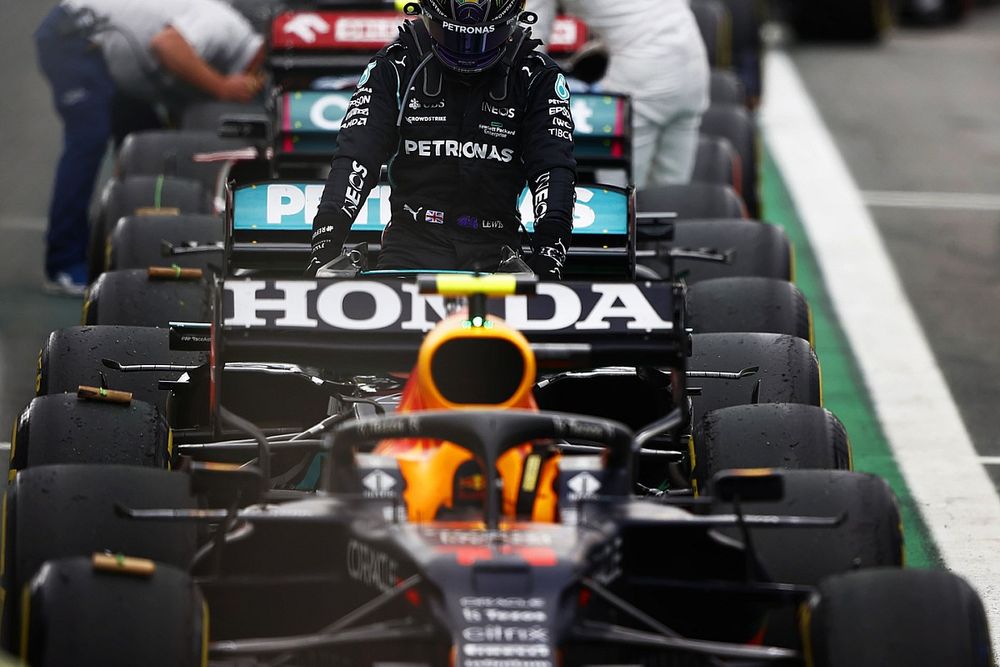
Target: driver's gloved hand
(329, 234)
(322, 254)
(547, 262)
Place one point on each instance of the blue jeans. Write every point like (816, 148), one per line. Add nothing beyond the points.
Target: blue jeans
(92, 111)
(83, 91)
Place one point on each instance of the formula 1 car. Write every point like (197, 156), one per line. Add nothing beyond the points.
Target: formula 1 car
(466, 529)
(308, 358)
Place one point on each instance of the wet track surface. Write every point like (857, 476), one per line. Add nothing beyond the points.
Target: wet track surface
(914, 118)
(918, 115)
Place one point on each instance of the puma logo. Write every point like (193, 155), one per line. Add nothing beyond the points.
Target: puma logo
(415, 214)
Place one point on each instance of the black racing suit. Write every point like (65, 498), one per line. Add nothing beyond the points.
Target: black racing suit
(462, 149)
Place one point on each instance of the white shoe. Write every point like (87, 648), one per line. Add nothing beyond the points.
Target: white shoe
(63, 284)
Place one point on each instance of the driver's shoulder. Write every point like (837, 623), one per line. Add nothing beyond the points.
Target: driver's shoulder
(535, 64)
(396, 54)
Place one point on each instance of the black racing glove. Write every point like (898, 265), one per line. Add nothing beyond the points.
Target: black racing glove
(548, 260)
(329, 233)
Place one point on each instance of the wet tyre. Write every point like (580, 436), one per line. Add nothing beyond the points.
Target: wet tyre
(716, 30)
(764, 305)
(131, 298)
(61, 511)
(141, 195)
(758, 249)
(208, 116)
(172, 153)
(788, 371)
(937, 12)
(734, 123)
(61, 428)
(695, 201)
(136, 242)
(747, 18)
(726, 88)
(885, 616)
(784, 436)
(869, 535)
(717, 162)
(78, 615)
(71, 357)
(857, 20)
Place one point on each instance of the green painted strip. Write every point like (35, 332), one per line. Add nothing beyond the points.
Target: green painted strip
(158, 193)
(844, 390)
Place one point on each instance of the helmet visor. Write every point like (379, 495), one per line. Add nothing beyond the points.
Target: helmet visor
(470, 45)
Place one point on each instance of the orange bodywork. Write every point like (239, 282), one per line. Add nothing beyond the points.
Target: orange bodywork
(430, 466)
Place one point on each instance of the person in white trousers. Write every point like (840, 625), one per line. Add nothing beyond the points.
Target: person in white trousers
(657, 56)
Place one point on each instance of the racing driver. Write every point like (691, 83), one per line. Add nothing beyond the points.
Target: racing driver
(464, 110)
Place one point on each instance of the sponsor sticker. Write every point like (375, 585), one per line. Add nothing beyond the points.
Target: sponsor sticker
(584, 485)
(368, 73)
(292, 207)
(562, 88)
(371, 567)
(378, 483)
(306, 27)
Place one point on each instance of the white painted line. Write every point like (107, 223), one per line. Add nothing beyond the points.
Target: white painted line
(990, 460)
(935, 201)
(916, 410)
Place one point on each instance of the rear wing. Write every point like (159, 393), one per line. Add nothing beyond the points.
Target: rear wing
(308, 122)
(340, 41)
(377, 326)
(269, 227)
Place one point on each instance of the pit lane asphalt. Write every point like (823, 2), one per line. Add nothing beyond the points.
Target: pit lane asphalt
(921, 114)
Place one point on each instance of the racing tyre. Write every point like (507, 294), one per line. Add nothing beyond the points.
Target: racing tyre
(172, 152)
(80, 615)
(735, 124)
(771, 435)
(860, 20)
(208, 116)
(763, 305)
(72, 357)
(716, 30)
(61, 428)
(136, 241)
(131, 298)
(141, 195)
(918, 618)
(61, 511)
(717, 162)
(747, 17)
(758, 249)
(869, 535)
(939, 12)
(726, 88)
(788, 371)
(695, 201)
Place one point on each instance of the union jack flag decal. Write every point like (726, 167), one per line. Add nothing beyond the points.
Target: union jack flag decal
(435, 217)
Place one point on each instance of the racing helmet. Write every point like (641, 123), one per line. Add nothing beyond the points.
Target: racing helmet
(469, 36)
